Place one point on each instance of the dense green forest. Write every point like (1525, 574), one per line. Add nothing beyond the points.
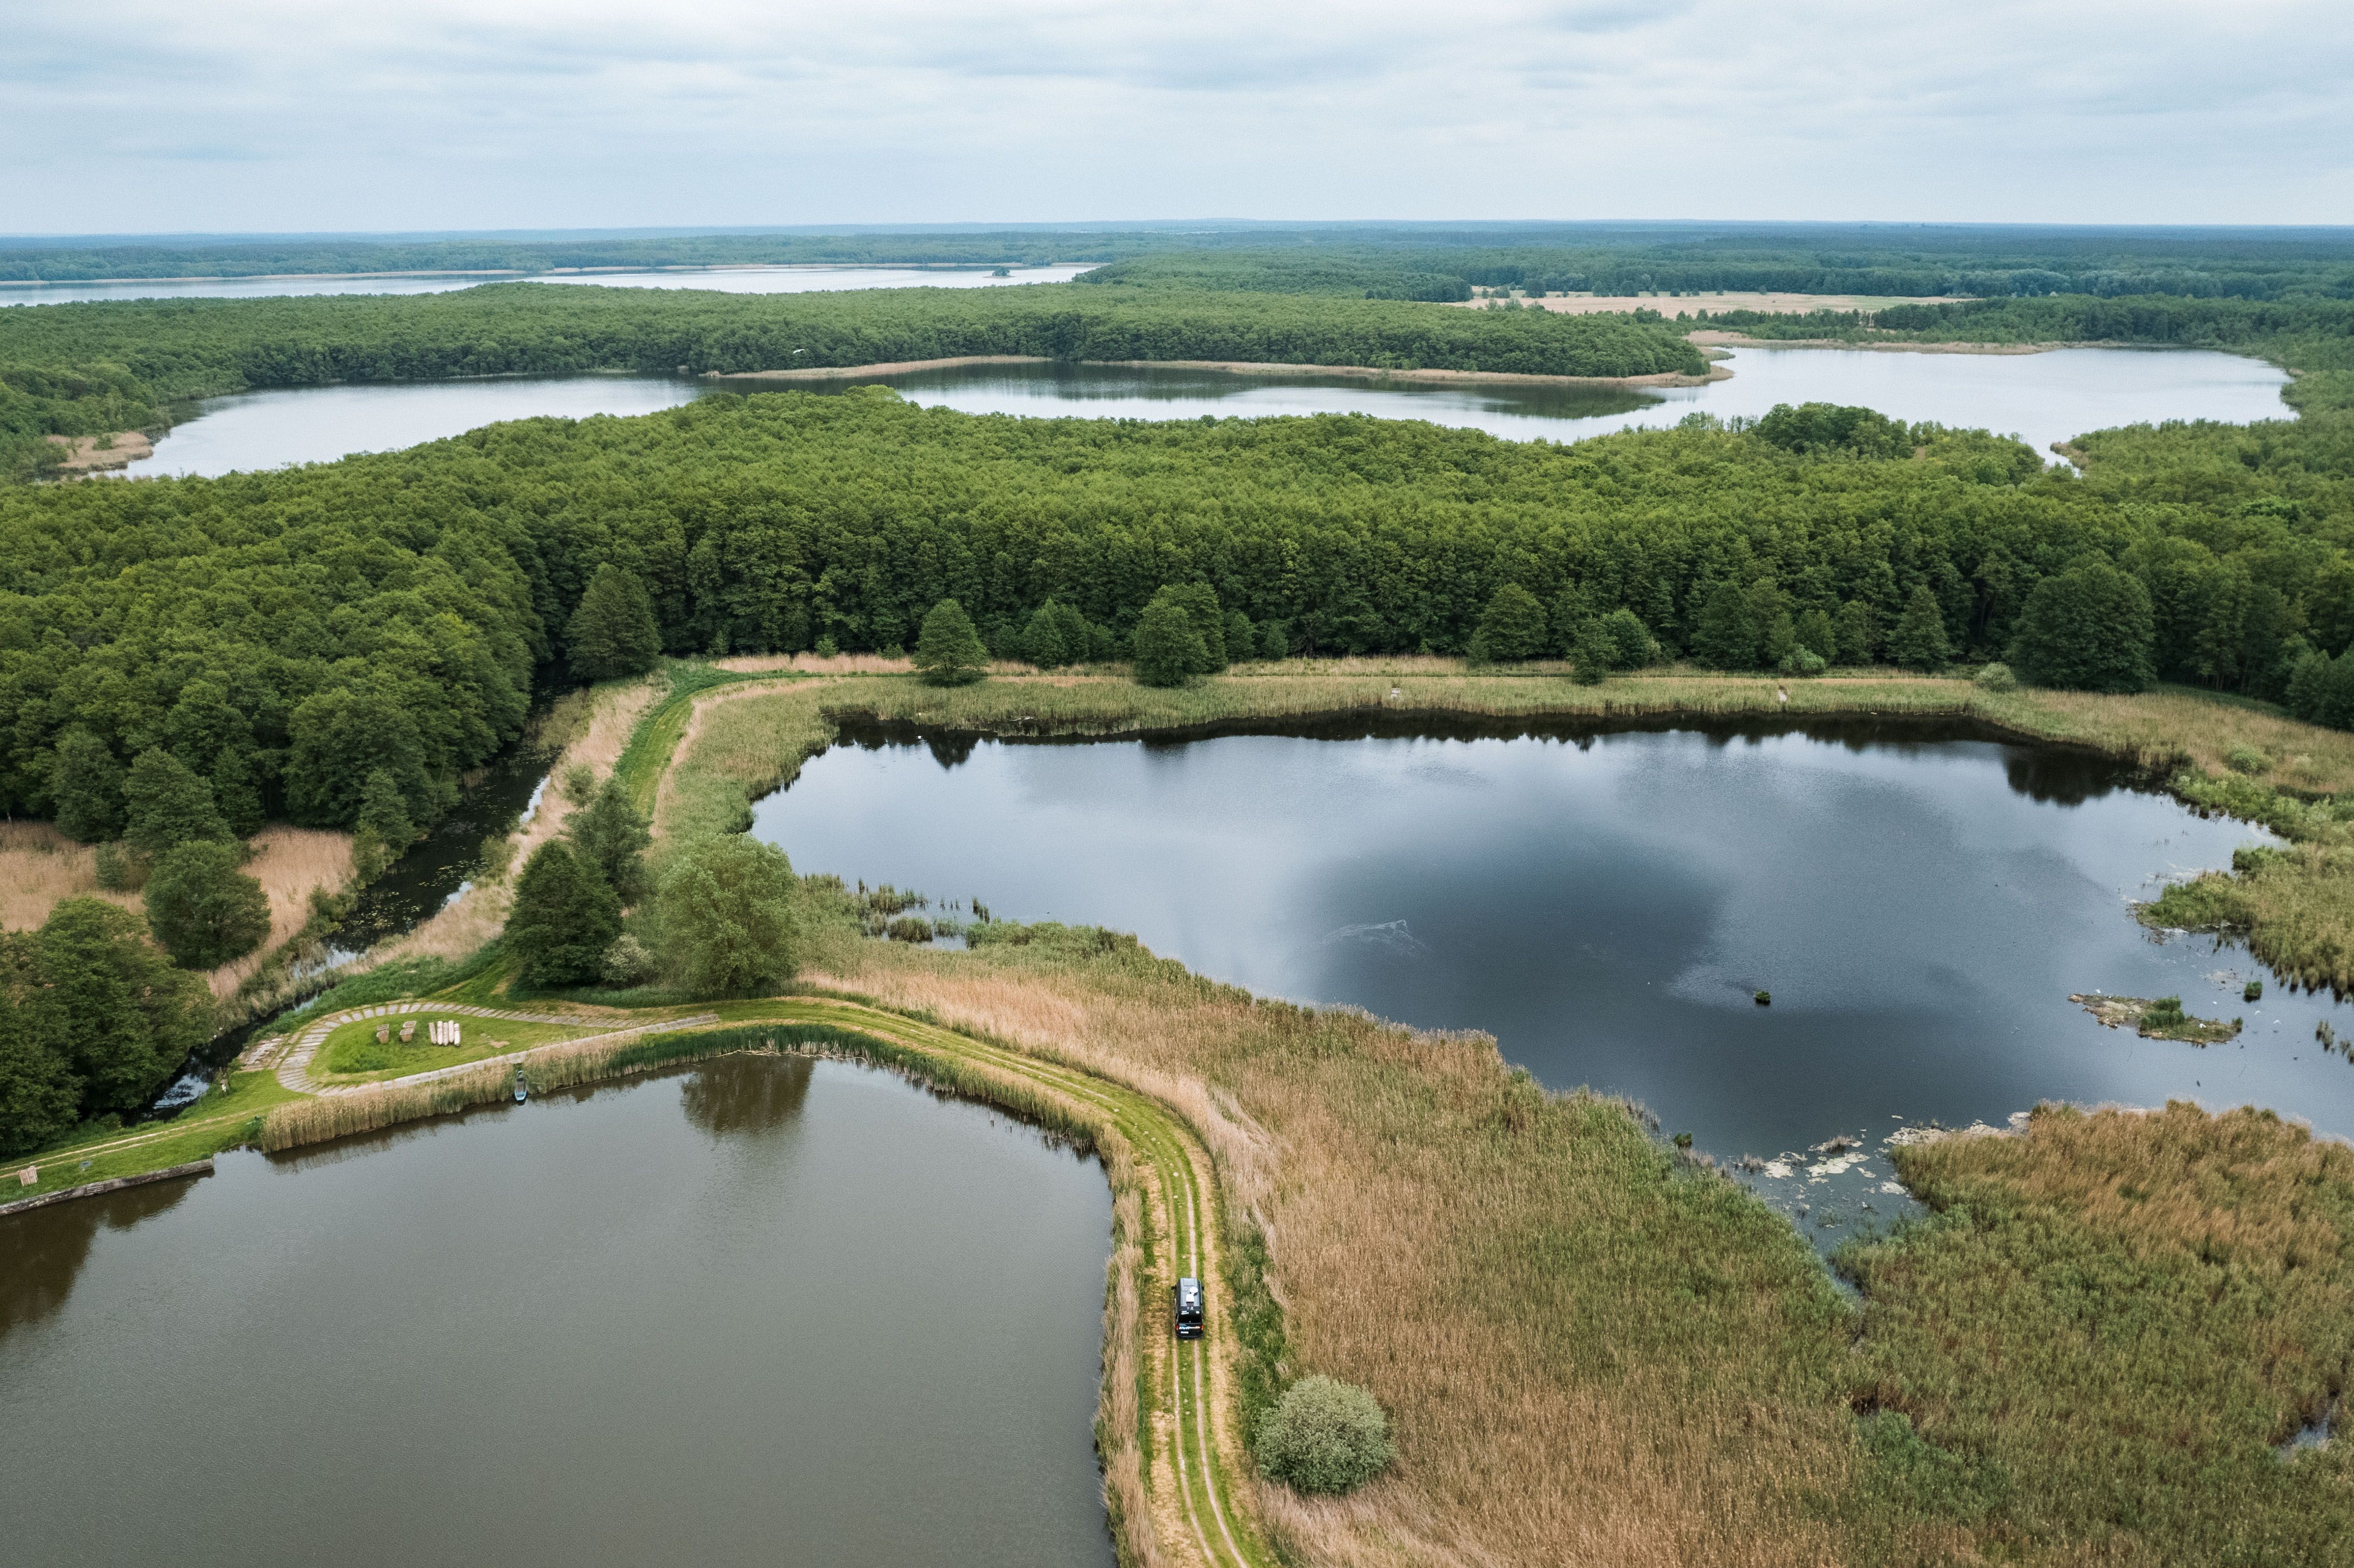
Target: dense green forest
(385, 614)
(76, 369)
(1376, 258)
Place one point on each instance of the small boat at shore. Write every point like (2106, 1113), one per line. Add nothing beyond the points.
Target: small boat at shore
(520, 1092)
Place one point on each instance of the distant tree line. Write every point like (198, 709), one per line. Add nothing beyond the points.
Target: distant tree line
(80, 369)
(1345, 258)
(2019, 266)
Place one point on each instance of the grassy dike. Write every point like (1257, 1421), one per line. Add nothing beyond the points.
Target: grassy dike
(1592, 1351)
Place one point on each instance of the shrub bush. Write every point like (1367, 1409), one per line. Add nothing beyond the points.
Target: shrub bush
(1995, 678)
(1324, 1436)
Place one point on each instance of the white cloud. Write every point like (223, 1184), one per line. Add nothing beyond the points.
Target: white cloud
(128, 115)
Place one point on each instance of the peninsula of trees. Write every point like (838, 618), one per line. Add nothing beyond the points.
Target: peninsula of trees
(376, 624)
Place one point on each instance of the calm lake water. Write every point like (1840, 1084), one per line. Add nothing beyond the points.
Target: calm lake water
(758, 1310)
(726, 281)
(1921, 908)
(2042, 396)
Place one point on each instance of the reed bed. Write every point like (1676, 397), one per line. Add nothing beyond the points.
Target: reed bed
(2124, 1318)
(292, 864)
(326, 1117)
(1594, 1351)
(1589, 1353)
(38, 866)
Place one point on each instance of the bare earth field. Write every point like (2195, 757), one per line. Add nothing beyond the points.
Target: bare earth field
(84, 455)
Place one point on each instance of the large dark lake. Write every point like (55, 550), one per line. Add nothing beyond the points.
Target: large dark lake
(1920, 904)
(2044, 397)
(759, 1309)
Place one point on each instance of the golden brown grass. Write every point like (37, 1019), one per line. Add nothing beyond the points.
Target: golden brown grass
(38, 866)
(291, 864)
(1487, 1259)
(2136, 1311)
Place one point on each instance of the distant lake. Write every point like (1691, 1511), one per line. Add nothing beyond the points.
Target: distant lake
(2042, 396)
(721, 280)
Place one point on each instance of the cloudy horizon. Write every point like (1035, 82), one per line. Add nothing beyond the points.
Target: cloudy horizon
(131, 117)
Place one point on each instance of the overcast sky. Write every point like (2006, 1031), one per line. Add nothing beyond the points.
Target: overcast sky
(124, 116)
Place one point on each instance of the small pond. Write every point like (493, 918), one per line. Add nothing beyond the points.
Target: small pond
(758, 1309)
(1919, 902)
(2042, 396)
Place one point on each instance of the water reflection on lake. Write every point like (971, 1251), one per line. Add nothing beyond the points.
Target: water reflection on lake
(759, 1309)
(2044, 397)
(320, 424)
(1919, 907)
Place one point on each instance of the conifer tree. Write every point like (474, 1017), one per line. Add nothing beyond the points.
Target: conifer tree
(612, 634)
(563, 920)
(1919, 640)
(609, 835)
(949, 652)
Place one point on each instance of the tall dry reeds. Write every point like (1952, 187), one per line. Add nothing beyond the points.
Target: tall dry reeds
(39, 866)
(325, 1116)
(1587, 1354)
